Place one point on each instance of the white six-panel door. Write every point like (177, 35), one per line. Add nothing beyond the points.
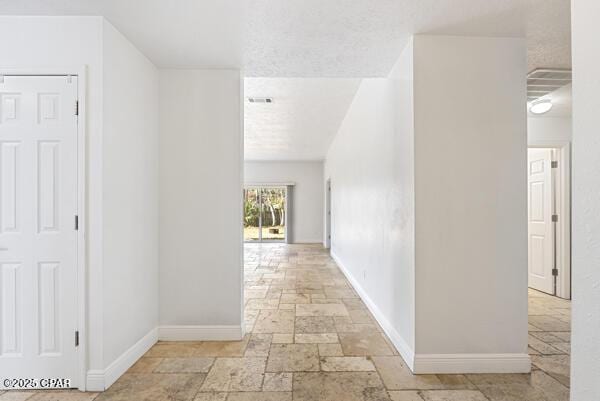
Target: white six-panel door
(540, 230)
(38, 239)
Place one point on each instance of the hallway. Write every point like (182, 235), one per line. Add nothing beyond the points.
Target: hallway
(300, 200)
(310, 338)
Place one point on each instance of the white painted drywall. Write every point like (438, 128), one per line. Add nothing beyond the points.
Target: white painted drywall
(307, 213)
(56, 42)
(549, 129)
(201, 167)
(370, 164)
(470, 183)
(130, 194)
(585, 354)
(428, 200)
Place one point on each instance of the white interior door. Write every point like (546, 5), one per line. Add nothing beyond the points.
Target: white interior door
(540, 210)
(38, 237)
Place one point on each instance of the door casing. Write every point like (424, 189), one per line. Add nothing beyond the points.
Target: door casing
(81, 73)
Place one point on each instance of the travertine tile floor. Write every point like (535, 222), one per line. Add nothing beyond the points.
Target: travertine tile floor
(310, 338)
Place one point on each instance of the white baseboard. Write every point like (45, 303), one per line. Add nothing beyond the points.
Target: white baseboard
(200, 333)
(100, 380)
(401, 345)
(472, 363)
(440, 363)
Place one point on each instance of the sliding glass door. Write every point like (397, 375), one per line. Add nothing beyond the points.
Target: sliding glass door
(273, 214)
(251, 214)
(265, 214)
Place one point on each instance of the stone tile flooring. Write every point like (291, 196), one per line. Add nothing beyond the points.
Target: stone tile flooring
(310, 338)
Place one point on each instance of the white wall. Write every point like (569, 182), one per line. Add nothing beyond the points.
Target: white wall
(585, 354)
(549, 129)
(130, 194)
(428, 204)
(471, 217)
(307, 201)
(200, 254)
(201, 165)
(370, 164)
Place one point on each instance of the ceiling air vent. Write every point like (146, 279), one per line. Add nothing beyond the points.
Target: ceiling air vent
(260, 99)
(544, 81)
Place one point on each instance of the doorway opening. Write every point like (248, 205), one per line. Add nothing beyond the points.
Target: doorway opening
(549, 215)
(328, 214)
(265, 214)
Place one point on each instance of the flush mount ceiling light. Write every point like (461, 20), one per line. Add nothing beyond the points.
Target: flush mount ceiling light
(540, 106)
(260, 99)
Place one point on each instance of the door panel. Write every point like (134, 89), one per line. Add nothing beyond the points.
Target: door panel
(273, 214)
(251, 214)
(38, 240)
(12, 316)
(540, 230)
(9, 197)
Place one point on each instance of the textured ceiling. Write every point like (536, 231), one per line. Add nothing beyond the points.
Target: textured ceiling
(302, 120)
(313, 38)
(364, 38)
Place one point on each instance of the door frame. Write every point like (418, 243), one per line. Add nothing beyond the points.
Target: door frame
(562, 183)
(327, 239)
(81, 266)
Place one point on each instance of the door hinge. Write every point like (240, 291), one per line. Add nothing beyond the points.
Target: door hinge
(77, 338)
(76, 222)
(77, 107)
(554, 218)
(555, 272)
(554, 164)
